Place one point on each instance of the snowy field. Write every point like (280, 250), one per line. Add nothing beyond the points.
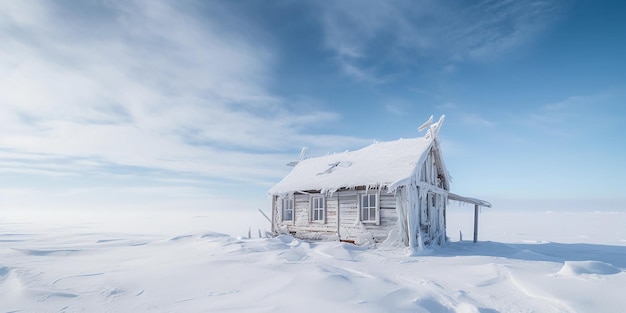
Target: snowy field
(178, 262)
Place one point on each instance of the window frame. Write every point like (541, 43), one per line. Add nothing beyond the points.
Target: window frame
(283, 209)
(376, 207)
(320, 200)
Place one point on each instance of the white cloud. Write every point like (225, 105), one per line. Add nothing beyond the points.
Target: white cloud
(447, 106)
(467, 118)
(397, 106)
(577, 116)
(372, 36)
(476, 120)
(146, 84)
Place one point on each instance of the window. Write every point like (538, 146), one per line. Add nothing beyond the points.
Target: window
(318, 208)
(368, 208)
(287, 209)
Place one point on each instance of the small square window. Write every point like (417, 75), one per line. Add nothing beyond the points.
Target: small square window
(368, 208)
(318, 209)
(287, 209)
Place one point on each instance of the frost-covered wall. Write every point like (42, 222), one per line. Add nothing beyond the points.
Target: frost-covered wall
(342, 216)
(411, 215)
(421, 205)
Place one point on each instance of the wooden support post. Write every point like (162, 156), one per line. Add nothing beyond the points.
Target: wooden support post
(475, 223)
(338, 217)
(274, 230)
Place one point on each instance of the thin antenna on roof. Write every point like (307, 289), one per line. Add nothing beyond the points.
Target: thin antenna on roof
(433, 128)
(302, 156)
(426, 124)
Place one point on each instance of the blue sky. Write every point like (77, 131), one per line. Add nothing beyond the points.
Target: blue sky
(199, 104)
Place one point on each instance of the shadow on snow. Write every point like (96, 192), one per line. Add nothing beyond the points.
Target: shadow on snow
(549, 251)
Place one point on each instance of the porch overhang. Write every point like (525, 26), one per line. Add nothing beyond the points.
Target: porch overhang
(476, 202)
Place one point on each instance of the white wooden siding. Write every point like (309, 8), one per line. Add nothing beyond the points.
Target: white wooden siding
(350, 225)
(331, 211)
(302, 209)
(387, 200)
(303, 227)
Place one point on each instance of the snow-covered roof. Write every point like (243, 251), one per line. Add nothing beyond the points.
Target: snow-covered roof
(479, 202)
(381, 164)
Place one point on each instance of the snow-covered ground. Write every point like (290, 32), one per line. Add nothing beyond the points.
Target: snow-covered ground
(177, 262)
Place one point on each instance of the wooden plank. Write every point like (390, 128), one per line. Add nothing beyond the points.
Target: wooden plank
(301, 209)
(313, 227)
(349, 211)
(347, 193)
(379, 233)
(338, 218)
(388, 217)
(331, 211)
(273, 214)
(342, 216)
(387, 201)
(475, 223)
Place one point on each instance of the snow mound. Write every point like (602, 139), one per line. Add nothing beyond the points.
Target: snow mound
(341, 251)
(4, 271)
(48, 252)
(284, 239)
(431, 304)
(468, 308)
(575, 268)
(526, 254)
(212, 234)
(295, 255)
(10, 284)
(88, 268)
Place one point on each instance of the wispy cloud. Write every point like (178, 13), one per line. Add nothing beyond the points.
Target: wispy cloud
(144, 84)
(476, 120)
(571, 116)
(396, 106)
(447, 106)
(374, 39)
(489, 28)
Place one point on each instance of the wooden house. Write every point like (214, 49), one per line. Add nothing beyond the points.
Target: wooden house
(394, 191)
